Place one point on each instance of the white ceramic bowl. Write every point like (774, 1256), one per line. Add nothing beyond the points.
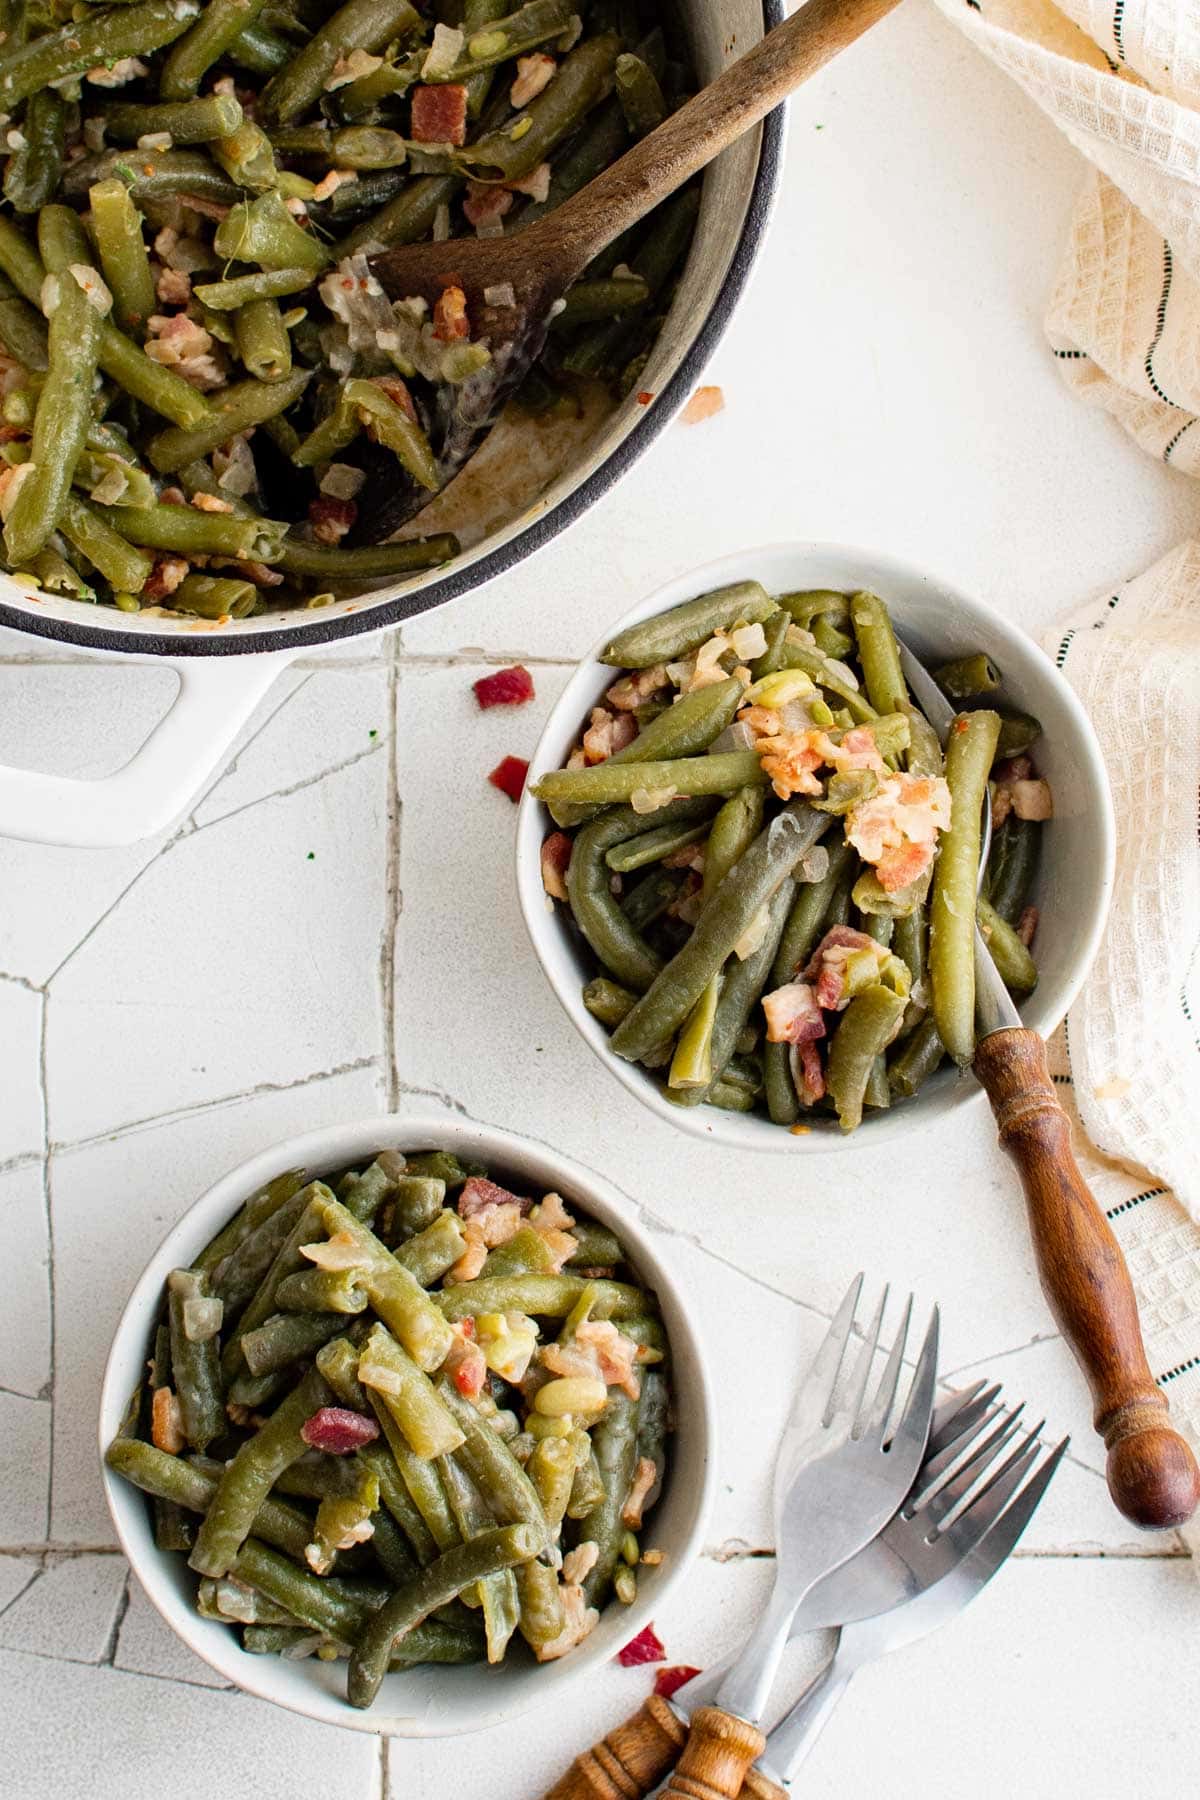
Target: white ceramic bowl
(938, 621)
(423, 1702)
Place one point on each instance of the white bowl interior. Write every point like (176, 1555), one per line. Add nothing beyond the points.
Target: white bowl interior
(423, 1702)
(718, 34)
(938, 621)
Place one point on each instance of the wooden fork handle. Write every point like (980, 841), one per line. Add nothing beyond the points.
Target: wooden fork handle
(717, 1756)
(631, 1760)
(1152, 1474)
(689, 139)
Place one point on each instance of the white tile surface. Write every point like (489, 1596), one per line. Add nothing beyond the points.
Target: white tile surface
(216, 989)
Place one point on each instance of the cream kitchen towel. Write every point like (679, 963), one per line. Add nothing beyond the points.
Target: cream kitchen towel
(1121, 78)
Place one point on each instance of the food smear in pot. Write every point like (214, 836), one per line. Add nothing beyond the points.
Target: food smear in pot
(405, 1414)
(208, 406)
(773, 863)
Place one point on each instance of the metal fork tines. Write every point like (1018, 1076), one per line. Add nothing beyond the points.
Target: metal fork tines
(974, 1500)
(848, 1458)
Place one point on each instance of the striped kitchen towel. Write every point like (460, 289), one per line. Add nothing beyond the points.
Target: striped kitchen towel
(1128, 1059)
(1121, 78)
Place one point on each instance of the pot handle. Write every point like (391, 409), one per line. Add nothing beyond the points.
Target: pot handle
(216, 696)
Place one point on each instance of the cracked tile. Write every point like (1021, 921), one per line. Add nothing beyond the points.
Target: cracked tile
(25, 1314)
(25, 1434)
(16, 1573)
(323, 719)
(146, 1645)
(274, 916)
(112, 1203)
(69, 1611)
(62, 1715)
(36, 938)
(20, 1036)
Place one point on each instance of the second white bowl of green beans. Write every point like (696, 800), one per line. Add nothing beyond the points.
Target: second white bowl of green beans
(747, 866)
(474, 1469)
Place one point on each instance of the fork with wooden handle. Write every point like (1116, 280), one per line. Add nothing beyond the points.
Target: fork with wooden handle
(1152, 1474)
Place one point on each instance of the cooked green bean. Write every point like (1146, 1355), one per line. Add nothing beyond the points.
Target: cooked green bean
(220, 24)
(494, 1469)
(260, 50)
(609, 782)
(368, 25)
(970, 748)
(195, 1363)
(405, 219)
(416, 1205)
(968, 677)
(117, 229)
(258, 1209)
(398, 1297)
(601, 299)
(1012, 865)
(35, 167)
(264, 284)
(62, 416)
(107, 36)
(878, 654)
(409, 1396)
(263, 231)
(640, 95)
(1017, 968)
(335, 564)
(152, 175)
(615, 940)
(676, 633)
(607, 1001)
(542, 1296)
(747, 888)
(599, 143)
(183, 121)
(496, 1594)
(615, 1449)
(285, 1338)
(584, 77)
(125, 568)
(916, 1059)
(742, 985)
(235, 409)
(171, 1478)
(461, 1567)
(250, 1476)
(263, 343)
(390, 425)
(513, 35)
(430, 1252)
(866, 1028)
(1018, 733)
(685, 729)
(652, 846)
(214, 597)
(22, 332)
(189, 532)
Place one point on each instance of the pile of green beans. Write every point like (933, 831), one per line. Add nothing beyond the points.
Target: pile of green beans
(715, 890)
(377, 1438)
(187, 320)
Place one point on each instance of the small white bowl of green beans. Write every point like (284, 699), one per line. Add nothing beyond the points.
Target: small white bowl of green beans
(294, 1621)
(630, 974)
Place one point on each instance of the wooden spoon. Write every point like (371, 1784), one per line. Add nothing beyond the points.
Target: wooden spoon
(540, 263)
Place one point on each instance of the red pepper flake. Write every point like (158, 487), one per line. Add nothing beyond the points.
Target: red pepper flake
(669, 1681)
(507, 687)
(509, 776)
(646, 1647)
(644, 397)
(338, 1430)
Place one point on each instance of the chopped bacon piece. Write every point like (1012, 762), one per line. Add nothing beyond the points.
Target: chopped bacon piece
(465, 1363)
(578, 1563)
(1027, 925)
(556, 860)
(210, 503)
(507, 687)
(173, 287)
(827, 965)
(536, 184)
(485, 204)
(644, 397)
(10, 433)
(164, 577)
(668, 1681)
(903, 816)
(578, 1620)
(633, 690)
(607, 733)
(478, 1194)
(509, 776)
(793, 1016)
(808, 1073)
(533, 74)
(397, 391)
(450, 321)
(166, 1422)
(645, 1476)
(703, 404)
(331, 518)
(646, 1647)
(338, 1430)
(439, 114)
(1031, 800)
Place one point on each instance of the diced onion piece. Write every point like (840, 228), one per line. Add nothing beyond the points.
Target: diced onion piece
(648, 800)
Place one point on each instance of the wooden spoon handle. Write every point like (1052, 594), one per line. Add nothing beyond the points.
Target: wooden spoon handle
(689, 139)
(1152, 1474)
(716, 1757)
(632, 1759)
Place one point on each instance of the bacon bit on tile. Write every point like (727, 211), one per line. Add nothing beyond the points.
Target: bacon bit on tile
(439, 114)
(396, 391)
(450, 321)
(703, 404)
(485, 203)
(556, 860)
(644, 397)
(668, 1681)
(646, 1647)
(166, 1422)
(330, 518)
(507, 687)
(509, 776)
(338, 1430)
(1027, 925)
(533, 74)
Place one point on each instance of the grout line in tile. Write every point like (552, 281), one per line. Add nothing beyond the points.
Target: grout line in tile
(122, 1607)
(21, 1161)
(67, 1147)
(20, 1394)
(48, 1210)
(383, 1765)
(410, 1090)
(393, 892)
(469, 655)
(1039, 1337)
(62, 1552)
(21, 1592)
